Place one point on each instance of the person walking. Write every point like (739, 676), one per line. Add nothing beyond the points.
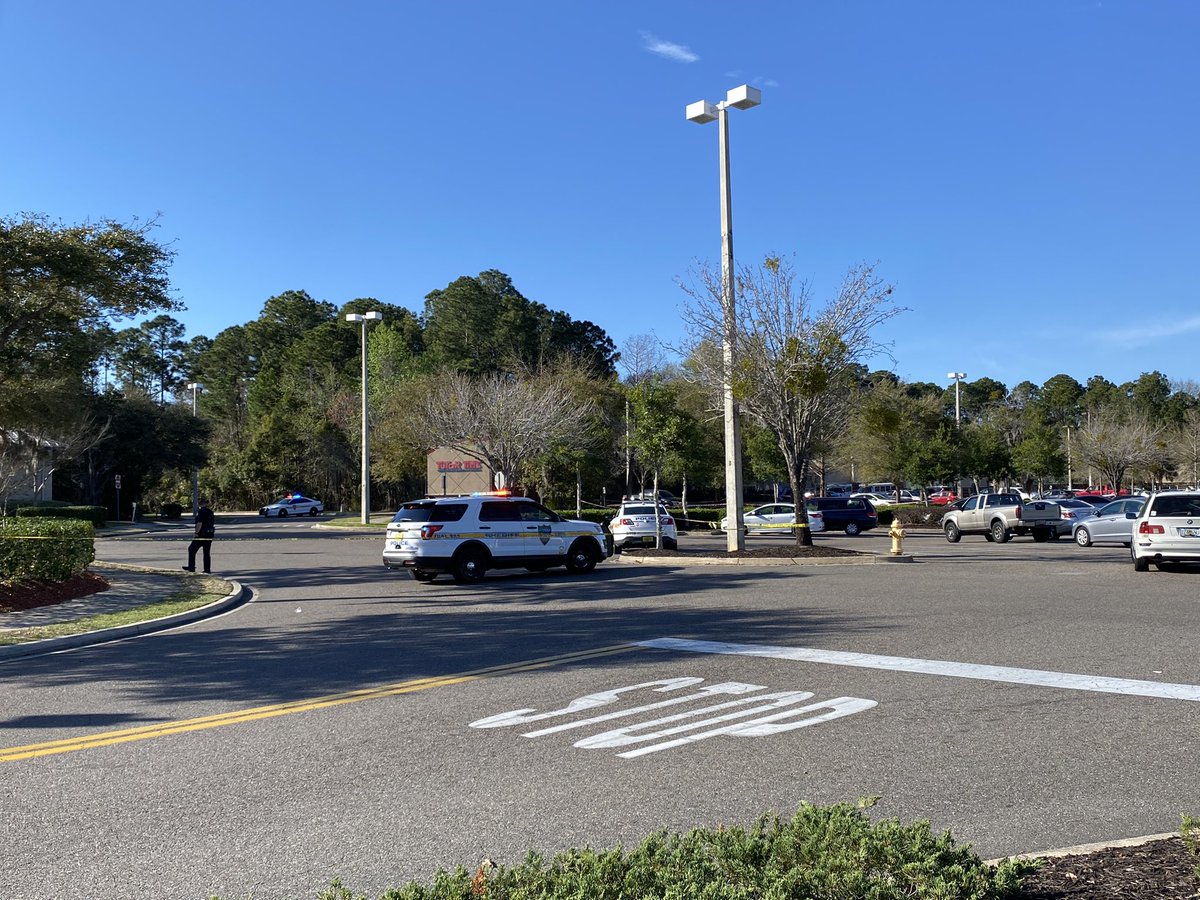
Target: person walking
(205, 530)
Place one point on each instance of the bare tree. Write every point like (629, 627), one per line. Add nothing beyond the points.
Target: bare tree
(793, 362)
(1115, 441)
(503, 420)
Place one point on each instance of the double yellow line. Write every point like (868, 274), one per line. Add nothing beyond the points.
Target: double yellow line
(180, 726)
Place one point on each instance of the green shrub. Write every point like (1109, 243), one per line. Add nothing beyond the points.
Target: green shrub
(599, 516)
(916, 514)
(44, 549)
(1190, 830)
(172, 511)
(97, 515)
(830, 852)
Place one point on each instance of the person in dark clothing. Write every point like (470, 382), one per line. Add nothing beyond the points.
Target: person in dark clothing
(205, 530)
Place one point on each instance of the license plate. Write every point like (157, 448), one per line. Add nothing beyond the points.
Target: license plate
(1189, 532)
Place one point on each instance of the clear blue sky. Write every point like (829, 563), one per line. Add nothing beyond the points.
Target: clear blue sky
(1025, 173)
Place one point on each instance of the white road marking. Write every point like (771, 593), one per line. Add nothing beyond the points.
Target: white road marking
(1036, 677)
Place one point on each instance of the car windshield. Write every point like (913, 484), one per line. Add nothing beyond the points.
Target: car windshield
(413, 512)
(1179, 505)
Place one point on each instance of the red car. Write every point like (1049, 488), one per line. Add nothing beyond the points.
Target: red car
(941, 498)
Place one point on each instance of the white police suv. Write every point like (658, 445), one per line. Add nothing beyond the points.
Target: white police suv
(467, 536)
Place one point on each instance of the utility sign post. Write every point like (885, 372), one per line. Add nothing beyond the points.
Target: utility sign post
(117, 485)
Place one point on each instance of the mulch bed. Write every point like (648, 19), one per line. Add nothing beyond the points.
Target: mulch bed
(1159, 869)
(31, 595)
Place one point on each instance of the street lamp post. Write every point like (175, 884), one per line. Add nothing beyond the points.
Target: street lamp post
(195, 387)
(958, 377)
(701, 112)
(363, 319)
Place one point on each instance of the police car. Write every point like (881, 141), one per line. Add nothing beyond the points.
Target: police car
(633, 526)
(293, 505)
(467, 536)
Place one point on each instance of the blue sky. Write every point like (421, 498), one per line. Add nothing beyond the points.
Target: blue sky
(1025, 173)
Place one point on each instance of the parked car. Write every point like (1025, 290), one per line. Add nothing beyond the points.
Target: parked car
(849, 514)
(1167, 531)
(879, 501)
(633, 526)
(1000, 516)
(941, 498)
(1096, 500)
(1112, 524)
(777, 518)
(293, 505)
(1071, 512)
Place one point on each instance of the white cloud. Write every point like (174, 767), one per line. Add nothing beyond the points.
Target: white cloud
(1151, 331)
(666, 49)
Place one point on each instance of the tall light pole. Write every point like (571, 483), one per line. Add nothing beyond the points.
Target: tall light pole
(195, 387)
(958, 377)
(364, 318)
(701, 112)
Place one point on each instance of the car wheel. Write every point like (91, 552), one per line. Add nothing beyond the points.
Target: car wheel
(313, 512)
(669, 544)
(283, 514)
(987, 536)
(581, 559)
(852, 528)
(1139, 565)
(1041, 535)
(1055, 534)
(953, 535)
(999, 532)
(1082, 537)
(469, 566)
(423, 575)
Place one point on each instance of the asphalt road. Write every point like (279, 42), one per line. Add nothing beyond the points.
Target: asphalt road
(351, 722)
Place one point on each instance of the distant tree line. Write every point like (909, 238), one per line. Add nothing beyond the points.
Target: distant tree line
(539, 396)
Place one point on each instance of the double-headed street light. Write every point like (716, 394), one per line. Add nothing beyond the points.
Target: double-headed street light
(958, 377)
(195, 387)
(701, 112)
(364, 318)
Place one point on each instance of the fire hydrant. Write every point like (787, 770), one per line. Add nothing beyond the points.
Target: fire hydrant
(897, 533)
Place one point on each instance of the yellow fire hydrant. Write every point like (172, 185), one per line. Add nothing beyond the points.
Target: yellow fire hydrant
(897, 534)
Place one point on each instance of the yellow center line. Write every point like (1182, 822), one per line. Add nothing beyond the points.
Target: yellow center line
(180, 726)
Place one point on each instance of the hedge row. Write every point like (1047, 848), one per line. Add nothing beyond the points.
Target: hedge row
(97, 515)
(44, 549)
(822, 852)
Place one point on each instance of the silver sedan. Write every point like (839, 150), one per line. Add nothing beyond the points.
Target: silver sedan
(1112, 524)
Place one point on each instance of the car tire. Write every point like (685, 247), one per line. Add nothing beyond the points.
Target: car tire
(852, 528)
(953, 535)
(283, 514)
(423, 575)
(1041, 535)
(581, 558)
(669, 544)
(999, 532)
(1082, 537)
(313, 512)
(469, 566)
(1139, 564)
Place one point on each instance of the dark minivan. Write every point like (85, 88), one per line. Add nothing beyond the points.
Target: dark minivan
(850, 514)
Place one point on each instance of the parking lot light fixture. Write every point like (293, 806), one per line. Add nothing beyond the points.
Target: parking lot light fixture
(702, 112)
(958, 377)
(363, 319)
(195, 387)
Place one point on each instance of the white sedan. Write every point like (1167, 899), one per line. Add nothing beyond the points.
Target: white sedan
(293, 505)
(777, 518)
(877, 500)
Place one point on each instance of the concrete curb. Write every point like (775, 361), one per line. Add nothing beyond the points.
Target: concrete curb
(105, 635)
(776, 562)
(1081, 849)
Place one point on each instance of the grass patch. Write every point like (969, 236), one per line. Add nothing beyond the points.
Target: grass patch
(193, 592)
(353, 521)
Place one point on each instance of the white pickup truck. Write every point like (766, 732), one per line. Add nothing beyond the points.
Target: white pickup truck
(1000, 516)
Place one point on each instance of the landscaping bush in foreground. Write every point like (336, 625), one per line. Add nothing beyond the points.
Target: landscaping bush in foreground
(44, 549)
(831, 852)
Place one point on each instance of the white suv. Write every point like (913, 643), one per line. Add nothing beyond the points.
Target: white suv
(466, 536)
(1167, 531)
(633, 525)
